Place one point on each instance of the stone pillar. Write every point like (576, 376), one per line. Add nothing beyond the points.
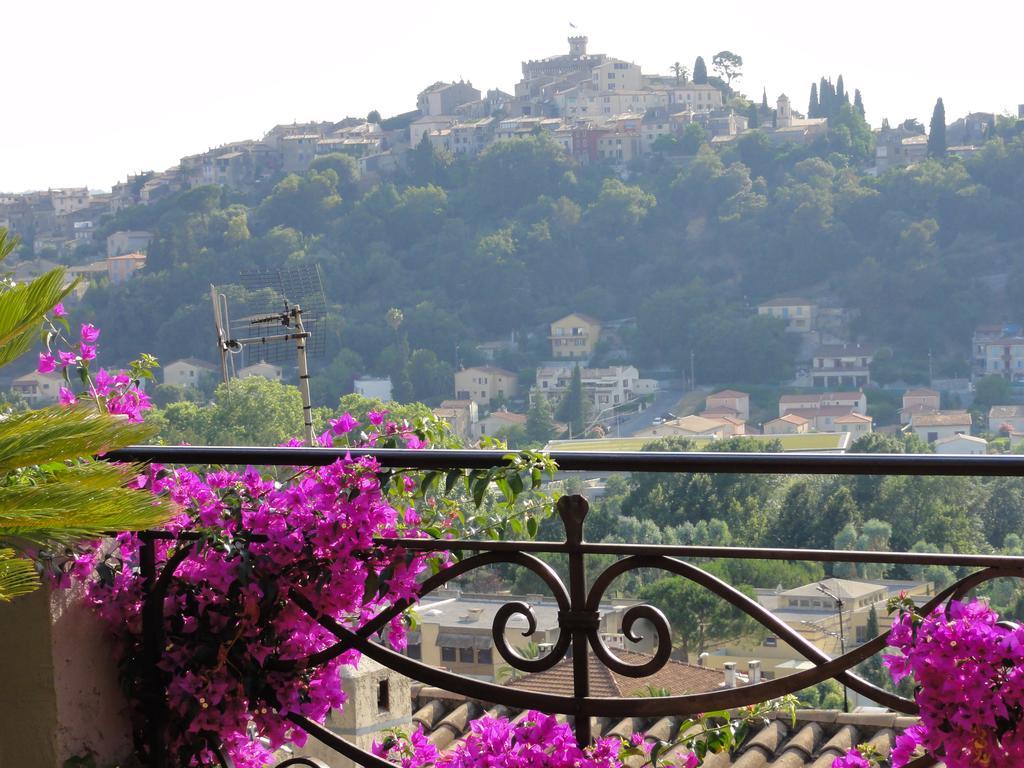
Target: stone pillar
(60, 695)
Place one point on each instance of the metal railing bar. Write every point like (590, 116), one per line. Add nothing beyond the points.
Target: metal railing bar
(639, 461)
(735, 553)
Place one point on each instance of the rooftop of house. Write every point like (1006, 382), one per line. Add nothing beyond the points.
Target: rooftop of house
(791, 418)
(584, 317)
(195, 362)
(921, 392)
(843, 350)
(829, 410)
(457, 404)
(943, 419)
(491, 369)
(853, 417)
(814, 740)
(787, 302)
(727, 394)
(506, 416)
(819, 397)
(958, 438)
(677, 677)
(844, 588)
(1005, 412)
(697, 424)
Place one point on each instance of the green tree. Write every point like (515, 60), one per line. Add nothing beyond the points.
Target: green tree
(812, 104)
(872, 669)
(431, 378)
(574, 408)
(937, 131)
(697, 616)
(540, 421)
(700, 72)
(359, 408)
(858, 102)
(254, 411)
(401, 386)
(373, 116)
(991, 390)
(752, 118)
(53, 495)
(728, 65)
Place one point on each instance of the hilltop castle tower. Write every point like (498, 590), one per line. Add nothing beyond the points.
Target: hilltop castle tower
(578, 46)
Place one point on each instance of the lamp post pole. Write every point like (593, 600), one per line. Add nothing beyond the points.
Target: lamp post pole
(842, 636)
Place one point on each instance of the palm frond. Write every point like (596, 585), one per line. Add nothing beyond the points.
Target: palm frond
(80, 502)
(57, 433)
(17, 576)
(22, 310)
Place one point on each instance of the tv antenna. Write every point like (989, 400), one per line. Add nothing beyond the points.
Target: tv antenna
(302, 324)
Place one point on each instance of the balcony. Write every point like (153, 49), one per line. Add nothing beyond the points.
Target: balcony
(582, 647)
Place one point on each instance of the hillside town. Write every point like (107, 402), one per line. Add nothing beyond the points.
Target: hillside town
(597, 107)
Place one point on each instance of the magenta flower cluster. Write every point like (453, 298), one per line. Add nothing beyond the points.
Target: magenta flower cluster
(117, 393)
(534, 740)
(228, 608)
(970, 676)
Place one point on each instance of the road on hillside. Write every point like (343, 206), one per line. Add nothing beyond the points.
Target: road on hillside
(664, 401)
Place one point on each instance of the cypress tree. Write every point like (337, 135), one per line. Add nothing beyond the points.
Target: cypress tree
(841, 92)
(812, 106)
(858, 103)
(573, 408)
(764, 99)
(752, 121)
(824, 103)
(700, 72)
(937, 131)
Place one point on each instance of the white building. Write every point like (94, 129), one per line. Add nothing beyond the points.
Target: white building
(263, 369)
(373, 388)
(937, 425)
(188, 371)
(38, 388)
(961, 444)
(128, 241)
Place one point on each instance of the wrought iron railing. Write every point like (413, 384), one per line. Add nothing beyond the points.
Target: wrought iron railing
(578, 602)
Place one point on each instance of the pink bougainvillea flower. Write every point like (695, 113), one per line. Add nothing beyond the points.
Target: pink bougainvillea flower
(66, 396)
(343, 425)
(58, 310)
(88, 351)
(90, 333)
(852, 759)
(46, 363)
(376, 417)
(67, 358)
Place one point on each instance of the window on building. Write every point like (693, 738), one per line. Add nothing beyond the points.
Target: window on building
(383, 695)
(447, 653)
(414, 651)
(484, 656)
(466, 655)
(933, 436)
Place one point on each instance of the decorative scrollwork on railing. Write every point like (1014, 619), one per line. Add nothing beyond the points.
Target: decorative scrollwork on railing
(629, 619)
(513, 657)
(578, 627)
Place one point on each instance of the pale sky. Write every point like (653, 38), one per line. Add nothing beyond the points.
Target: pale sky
(96, 90)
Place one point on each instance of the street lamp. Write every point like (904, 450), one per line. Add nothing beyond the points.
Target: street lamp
(842, 635)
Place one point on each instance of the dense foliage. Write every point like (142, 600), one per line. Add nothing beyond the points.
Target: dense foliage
(53, 493)
(474, 249)
(259, 545)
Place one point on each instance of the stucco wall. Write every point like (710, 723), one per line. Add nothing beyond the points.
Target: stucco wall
(60, 695)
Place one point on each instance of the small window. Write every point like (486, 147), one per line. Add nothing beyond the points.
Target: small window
(483, 656)
(414, 651)
(466, 655)
(447, 653)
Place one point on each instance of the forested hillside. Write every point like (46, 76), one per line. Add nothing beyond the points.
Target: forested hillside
(470, 250)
